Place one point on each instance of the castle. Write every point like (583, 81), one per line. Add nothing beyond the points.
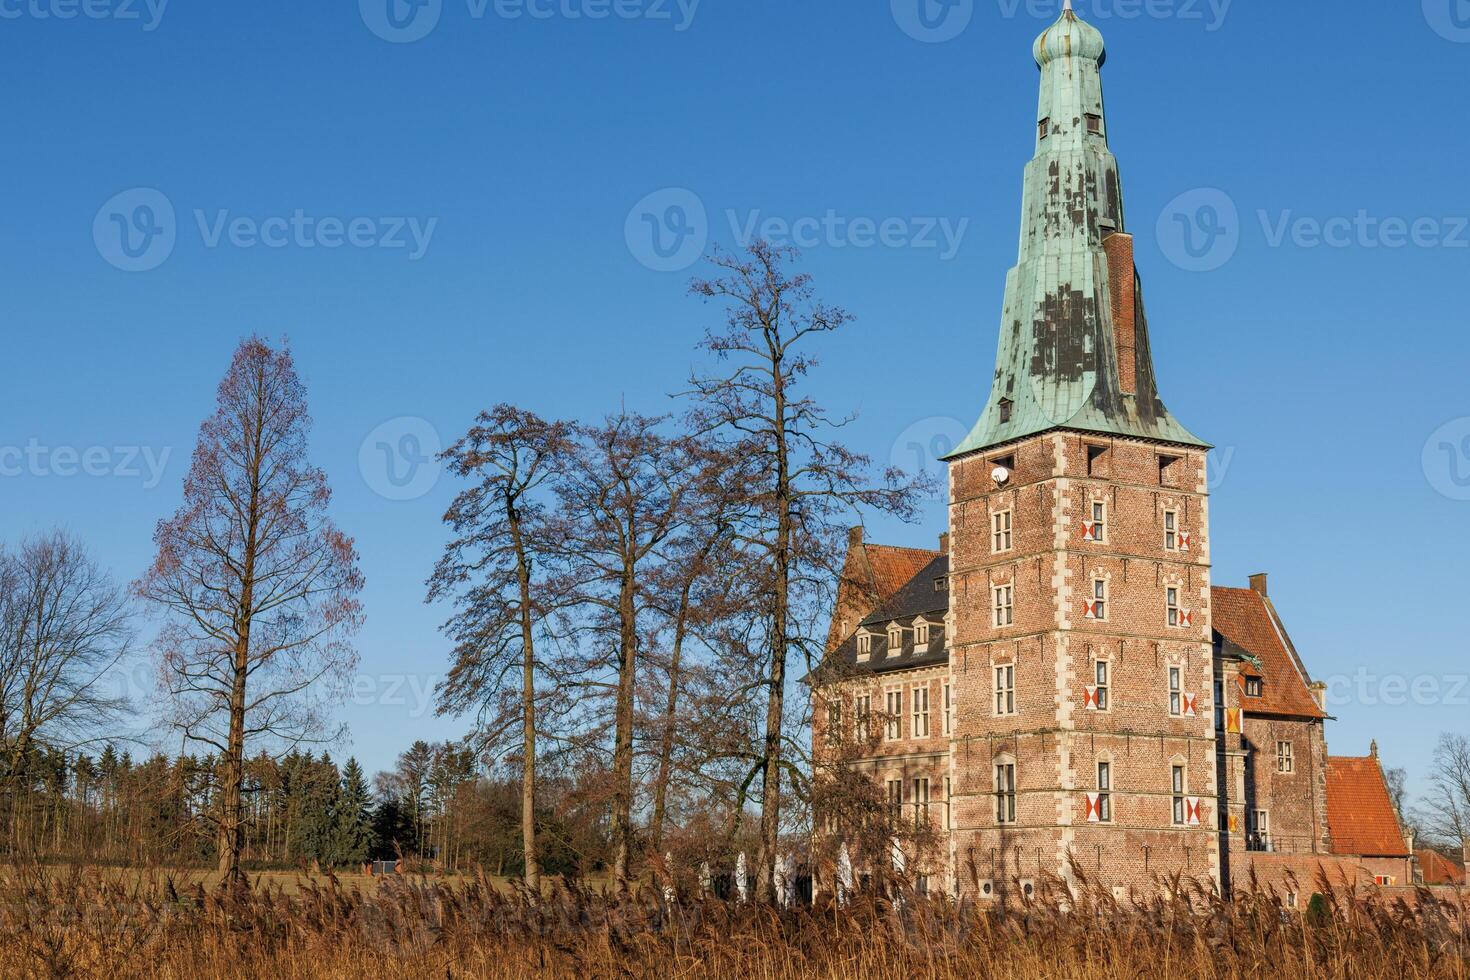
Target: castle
(1060, 685)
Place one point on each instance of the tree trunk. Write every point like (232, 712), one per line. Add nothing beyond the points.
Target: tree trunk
(666, 745)
(528, 710)
(622, 815)
(775, 705)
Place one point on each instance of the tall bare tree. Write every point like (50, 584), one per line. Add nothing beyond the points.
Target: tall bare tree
(621, 497)
(258, 586)
(63, 625)
(496, 570)
(805, 488)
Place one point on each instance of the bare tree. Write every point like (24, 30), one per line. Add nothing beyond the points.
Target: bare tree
(1444, 809)
(258, 586)
(805, 487)
(63, 625)
(493, 571)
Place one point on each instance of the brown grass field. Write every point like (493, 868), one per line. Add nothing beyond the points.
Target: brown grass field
(76, 922)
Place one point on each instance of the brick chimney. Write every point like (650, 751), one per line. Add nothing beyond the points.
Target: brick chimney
(944, 542)
(855, 538)
(1123, 290)
(1258, 584)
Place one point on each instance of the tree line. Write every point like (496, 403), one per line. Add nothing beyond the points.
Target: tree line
(625, 597)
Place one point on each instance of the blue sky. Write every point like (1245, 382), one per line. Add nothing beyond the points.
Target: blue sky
(446, 222)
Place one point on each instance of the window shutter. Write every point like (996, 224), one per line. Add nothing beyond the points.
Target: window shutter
(1094, 807)
(1183, 540)
(1190, 706)
(1090, 698)
(1232, 721)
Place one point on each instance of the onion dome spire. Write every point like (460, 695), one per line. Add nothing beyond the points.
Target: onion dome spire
(1073, 351)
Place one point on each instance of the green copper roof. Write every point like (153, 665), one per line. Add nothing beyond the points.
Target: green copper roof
(1057, 363)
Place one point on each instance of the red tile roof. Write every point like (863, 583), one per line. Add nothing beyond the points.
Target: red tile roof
(1249, 621)
(1438, 869)
(893, 567)
(1360, 813)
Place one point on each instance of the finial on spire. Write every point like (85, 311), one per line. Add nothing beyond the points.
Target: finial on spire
(1066, 6)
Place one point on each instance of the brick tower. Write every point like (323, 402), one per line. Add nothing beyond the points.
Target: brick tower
(1079, 633)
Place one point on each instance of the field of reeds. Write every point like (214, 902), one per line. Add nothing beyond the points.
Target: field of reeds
(58, 922)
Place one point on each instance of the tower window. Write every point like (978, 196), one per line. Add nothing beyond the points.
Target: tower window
(1005, 689)
(1171, 605)
(1044, 127)
(1105, 792)
(1005, 410)
(1005, 613)
(1285, 758)
(1005, 792)
(1168, 467)
(1000, 527)
(1095, 460)
(1094, 123)
(1176, 692)
(1171, 530)
(1179, 786)
(1102, 672)
(1096, 529)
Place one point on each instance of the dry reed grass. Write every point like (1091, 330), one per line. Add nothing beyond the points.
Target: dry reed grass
(81, 923)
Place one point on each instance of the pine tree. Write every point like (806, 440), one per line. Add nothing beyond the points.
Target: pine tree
(354, 823)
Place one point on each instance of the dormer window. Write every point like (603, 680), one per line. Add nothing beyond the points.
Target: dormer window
(1253, 687)
(895, 639)
(1005, 410)
(1044, 127)
(941, 584)
(921, 634)
(864, 645)
(1094, 124)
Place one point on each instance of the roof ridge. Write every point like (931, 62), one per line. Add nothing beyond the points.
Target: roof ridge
(902, 547)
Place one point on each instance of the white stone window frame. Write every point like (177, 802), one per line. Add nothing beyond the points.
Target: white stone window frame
(919, 796)
(892, 714)
(1105, 793)
(1102, 683)
(922, 633)
(1006, 779)
(1002, 531)
(864, 645)
(1285, 757)
(919, 710)
(895, 640)
(862, 717)
(1003, 604)
(1171, 529)
(1174, 684)
(1097, 516)
(947, 695)
(1179, 791)
(1004, 675)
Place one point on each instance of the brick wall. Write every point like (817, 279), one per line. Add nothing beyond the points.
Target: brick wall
(1056, 737)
